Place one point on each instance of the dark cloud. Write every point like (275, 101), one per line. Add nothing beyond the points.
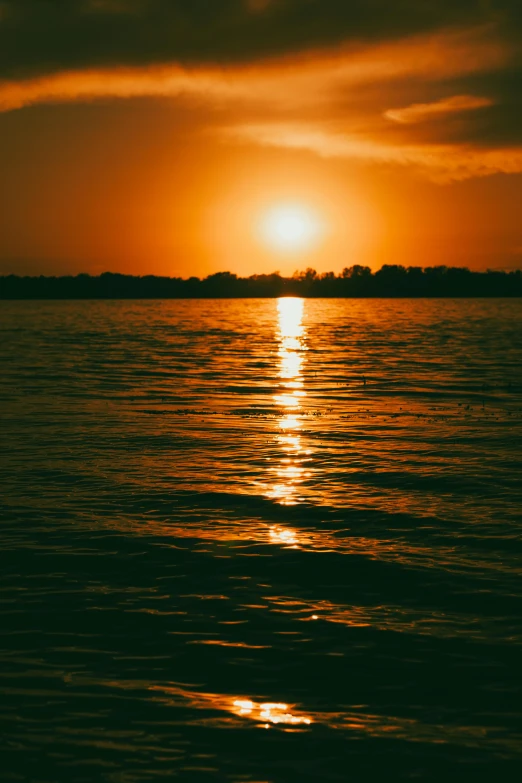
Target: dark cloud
(497, 125)
(43, 36)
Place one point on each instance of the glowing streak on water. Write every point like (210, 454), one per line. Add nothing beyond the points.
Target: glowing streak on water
(291, 336)
(269, 712)
(281, 535)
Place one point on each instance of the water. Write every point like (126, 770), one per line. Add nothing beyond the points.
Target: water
(265, 541)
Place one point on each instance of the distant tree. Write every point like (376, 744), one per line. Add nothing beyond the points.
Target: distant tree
(356, 281)
(222, 277)
(308, 275)
(356, 271)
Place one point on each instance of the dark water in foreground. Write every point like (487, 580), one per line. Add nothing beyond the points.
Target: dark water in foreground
(261, 541)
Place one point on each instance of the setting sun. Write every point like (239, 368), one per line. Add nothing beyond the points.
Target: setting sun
(291, 227)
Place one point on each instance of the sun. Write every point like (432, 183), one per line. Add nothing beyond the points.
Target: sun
(290, 227)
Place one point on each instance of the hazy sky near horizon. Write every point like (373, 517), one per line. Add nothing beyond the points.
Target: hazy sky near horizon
(151, 136)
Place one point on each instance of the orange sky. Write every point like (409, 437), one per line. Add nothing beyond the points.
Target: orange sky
(404, 146)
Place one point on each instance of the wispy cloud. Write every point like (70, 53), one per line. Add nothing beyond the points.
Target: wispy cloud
(314, 100)
(87, 85)
(312, 78)
(422, 112)
(440, 162)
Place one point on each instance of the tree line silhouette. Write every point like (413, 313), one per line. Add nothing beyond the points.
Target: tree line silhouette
(354, 281)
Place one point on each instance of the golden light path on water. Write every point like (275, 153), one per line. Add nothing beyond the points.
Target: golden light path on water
(264, 714)
(291, 470)
(268, 713)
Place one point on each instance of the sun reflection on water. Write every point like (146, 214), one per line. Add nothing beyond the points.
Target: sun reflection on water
(281, 535)
(290, 422)
(269, 712)
(358, 719)
(290, 472)
(264, 714)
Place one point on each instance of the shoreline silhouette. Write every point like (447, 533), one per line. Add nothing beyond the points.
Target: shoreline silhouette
(391, 281)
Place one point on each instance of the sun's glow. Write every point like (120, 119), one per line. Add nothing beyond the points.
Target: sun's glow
(291, 227)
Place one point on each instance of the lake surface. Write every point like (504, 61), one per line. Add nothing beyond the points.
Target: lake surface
(261, 540)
